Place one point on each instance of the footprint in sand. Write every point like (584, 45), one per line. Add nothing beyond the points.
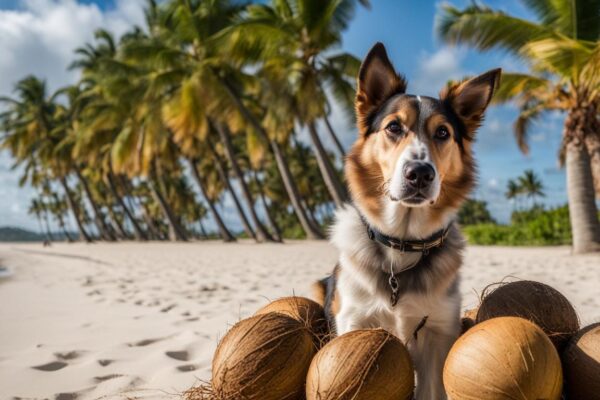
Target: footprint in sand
(107, 377)
(51, 366)
(69, 355)
(186, 368)
(104, 363)
(144, 342)
(66, 396)
(168, 308)
(178, 355)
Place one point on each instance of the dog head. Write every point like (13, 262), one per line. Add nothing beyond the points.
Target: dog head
(414, 151)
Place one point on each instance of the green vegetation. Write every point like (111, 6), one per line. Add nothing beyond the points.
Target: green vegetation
(474, 212)
(535, 227)
(532, 226)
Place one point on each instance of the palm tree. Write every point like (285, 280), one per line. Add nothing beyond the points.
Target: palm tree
(68, 130)
(513, 191)
(294, 39)
(562, 48)
(38, 208)
(32, 139)
(531, 185)
(58, 208)
(102, 118)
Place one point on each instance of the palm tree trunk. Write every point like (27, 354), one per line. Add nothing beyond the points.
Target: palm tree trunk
(223, 231)
(203, 233)
(152, 228)
(236, 201)
(312, 232)
(592, 143)
(83, 235)
(261, 233)
(49, 236)
(110, 181)
(334, 186)
(270, 220)
(334, 137)
(98, 219)
(117, 226)
(282, 166)
(61, 222)
(176, 232)
(582, 206)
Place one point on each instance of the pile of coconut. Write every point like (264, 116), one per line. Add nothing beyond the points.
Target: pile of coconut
(522, 342)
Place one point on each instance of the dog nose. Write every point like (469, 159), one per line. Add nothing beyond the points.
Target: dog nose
(419, 174)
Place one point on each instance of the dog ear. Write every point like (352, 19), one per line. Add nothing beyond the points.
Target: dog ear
(470, 98)
(377, 82)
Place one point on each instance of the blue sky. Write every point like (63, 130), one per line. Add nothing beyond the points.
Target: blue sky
(38, 36)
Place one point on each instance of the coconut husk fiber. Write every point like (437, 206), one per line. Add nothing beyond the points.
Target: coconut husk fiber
(304, 310)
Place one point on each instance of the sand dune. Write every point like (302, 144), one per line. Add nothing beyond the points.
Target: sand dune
(125, 321)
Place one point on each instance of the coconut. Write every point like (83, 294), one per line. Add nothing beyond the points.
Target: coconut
(265, 357)
(369, 364)
(503, 358)
(468, 320)
(304, 310)
(535, 301)
(581, 361)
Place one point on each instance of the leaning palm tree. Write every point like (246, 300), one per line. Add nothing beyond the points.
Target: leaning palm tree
(31, 124)
(295, 39)
(562, 49)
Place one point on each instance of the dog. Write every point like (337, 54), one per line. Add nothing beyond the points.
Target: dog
(408, 173)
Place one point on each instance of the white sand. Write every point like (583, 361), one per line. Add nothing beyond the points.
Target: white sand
(126, 321)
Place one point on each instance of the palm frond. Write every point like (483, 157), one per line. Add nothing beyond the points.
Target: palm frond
(485, 29)
(513, 85)
(563, 57)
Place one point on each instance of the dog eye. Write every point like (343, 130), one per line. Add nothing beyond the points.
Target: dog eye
(394, 128)
(442, 133)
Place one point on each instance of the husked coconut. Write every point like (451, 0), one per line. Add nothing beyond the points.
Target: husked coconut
(369, 364)
(265, 357)
(503, 358)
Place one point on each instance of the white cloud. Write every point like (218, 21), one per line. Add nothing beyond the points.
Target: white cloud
(435, 69)
(41, 35)
(493, 183)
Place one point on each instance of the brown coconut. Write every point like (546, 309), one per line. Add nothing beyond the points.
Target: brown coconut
(581, 362)
(304, 310)
(369, 364)
(468, 320)
(265, 357)
(535, 301)
(503, 358)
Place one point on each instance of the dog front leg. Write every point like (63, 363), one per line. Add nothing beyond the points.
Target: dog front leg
(349, 319)
(429, 351)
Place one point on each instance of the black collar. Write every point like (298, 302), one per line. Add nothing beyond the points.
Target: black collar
(411, 246)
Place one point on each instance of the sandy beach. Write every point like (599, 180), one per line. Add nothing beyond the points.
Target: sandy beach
(128, 321)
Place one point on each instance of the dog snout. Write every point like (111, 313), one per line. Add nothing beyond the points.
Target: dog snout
(419, 174)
